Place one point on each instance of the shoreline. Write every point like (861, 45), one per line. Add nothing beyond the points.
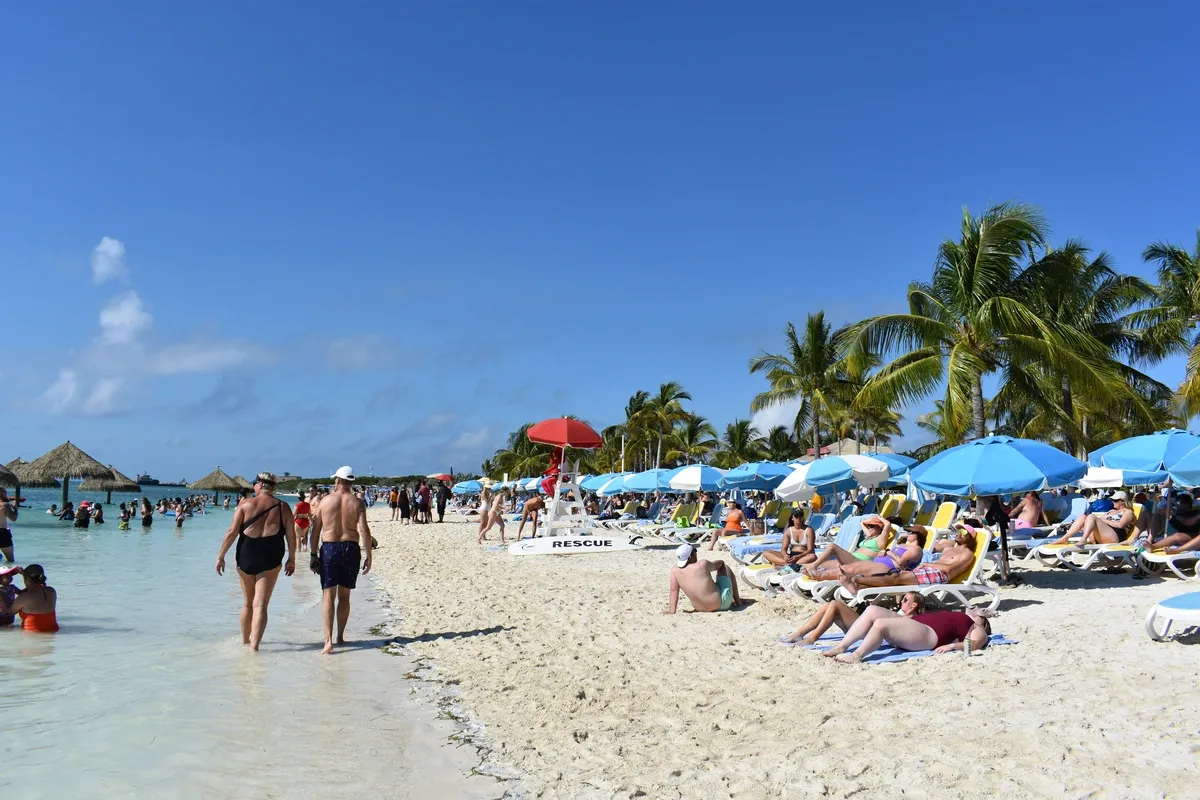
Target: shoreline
(584, 689)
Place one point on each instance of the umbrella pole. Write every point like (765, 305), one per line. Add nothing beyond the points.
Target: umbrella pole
(18, 493)
(66, 489)
(108, 498)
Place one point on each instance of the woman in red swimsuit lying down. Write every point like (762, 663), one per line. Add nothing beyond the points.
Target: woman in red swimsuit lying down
(939, 631)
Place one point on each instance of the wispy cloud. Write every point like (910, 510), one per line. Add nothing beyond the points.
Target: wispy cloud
(123, 319)
(104, 399)
(108, 261)
(62, 393)
(360, 353)
(202, 356)
(470, 440)
(779, 414)
(231, 396)
(386, 400)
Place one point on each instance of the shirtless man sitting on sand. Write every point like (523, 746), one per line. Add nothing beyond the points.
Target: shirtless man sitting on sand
(530, 511)
(954, 562)
(339, 528)
(695, 579)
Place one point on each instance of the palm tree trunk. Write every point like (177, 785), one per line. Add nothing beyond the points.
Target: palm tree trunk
(977, 407)
(658, 455)
(1068, 406)
(816, 433)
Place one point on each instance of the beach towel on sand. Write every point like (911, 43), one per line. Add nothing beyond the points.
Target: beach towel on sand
(887, 653)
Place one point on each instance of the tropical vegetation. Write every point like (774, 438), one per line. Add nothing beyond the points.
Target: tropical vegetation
(1009, 334)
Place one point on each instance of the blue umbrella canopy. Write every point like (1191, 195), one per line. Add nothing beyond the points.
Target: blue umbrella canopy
(467, 487)
(1186, 470)
(614, 485)
(997, 465)
(756, 475)
(596, 481)
(861, 469)
(652, 480)
(1149, 453)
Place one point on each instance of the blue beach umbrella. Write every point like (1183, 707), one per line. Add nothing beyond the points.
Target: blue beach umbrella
(596, 481)
(756, 475)
(652, 480)
(997, 465)
(1149, 453)
(1186, 471)
(614, 485)
(695, 478)
(900, 465)
(467, 487)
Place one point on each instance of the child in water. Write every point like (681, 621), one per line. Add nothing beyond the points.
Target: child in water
(8, 593)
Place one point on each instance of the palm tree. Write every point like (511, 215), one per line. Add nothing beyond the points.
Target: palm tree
(519, 455)
(661, 411)
(1091, 300)
(1170, 322)
(809, 369)
(969, 321)
(740, 443)
(692, 440)
(778, 444)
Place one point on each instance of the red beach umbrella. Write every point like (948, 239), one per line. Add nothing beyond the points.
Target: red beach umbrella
(564, 432)
(439, 476)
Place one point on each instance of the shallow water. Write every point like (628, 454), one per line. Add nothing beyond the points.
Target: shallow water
(147, 692)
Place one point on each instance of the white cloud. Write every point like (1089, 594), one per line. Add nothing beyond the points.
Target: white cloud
(469, 440)
(123, 319)
(103, 399)
(177, 359)
(356, 354)
(62, 393)
(108, 261)
(779, 414)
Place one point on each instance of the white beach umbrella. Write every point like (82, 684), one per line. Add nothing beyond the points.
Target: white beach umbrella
(696, 478)
(795, 486)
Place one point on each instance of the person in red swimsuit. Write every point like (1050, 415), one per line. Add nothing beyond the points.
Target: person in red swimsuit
(35, 603)
(302, 512)
(939, 631)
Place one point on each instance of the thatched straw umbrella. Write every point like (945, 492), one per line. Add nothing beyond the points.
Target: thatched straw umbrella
(30, 480)
(216, 481)
(245, 484)
(115, 482)
(67, 461)
(9, 478)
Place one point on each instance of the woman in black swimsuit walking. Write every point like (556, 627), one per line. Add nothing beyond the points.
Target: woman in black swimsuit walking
(263, 529)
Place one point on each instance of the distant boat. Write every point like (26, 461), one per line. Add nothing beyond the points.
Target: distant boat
(145, 480)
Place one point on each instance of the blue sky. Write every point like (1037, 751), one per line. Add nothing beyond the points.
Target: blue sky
(296, 235)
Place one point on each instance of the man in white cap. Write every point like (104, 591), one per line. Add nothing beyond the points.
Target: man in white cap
(340, 530)
(710, 585)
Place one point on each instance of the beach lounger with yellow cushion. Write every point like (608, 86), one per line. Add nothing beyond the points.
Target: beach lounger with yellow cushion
(1055, 554)
(968, 583)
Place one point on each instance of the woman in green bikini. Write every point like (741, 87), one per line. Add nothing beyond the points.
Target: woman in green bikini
(876, 532)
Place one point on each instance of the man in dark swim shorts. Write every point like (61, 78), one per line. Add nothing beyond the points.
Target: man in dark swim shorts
(340, 530)
(8, 512)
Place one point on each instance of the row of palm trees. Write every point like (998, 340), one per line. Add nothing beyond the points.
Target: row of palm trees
(1058, 335)
(659, 431)
(1058, 331)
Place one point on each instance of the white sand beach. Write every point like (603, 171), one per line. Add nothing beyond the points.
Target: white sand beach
(585, 688)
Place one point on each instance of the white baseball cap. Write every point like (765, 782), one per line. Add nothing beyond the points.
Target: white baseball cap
(345, 473)
(682, 554)
(1120, 496)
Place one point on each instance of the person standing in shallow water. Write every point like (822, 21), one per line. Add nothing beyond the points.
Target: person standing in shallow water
(341, 532)
(8, 513)
(263, 527)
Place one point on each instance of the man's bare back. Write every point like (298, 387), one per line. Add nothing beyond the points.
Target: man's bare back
(337, 518)
(695, 581)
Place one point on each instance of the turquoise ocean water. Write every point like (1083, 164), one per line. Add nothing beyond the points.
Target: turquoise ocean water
(146, 691)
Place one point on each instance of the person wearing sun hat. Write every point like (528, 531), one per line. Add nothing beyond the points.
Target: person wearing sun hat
(709, 585)
(1102, 527)
(341, 533)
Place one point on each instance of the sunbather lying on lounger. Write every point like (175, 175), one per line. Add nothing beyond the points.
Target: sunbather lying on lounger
(835, 612)
(910, 544)
(939, 631)
(875, 533)
(954, 562)
(1186, 522)
(695, 578)
(1108, 527)
(798, 545)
